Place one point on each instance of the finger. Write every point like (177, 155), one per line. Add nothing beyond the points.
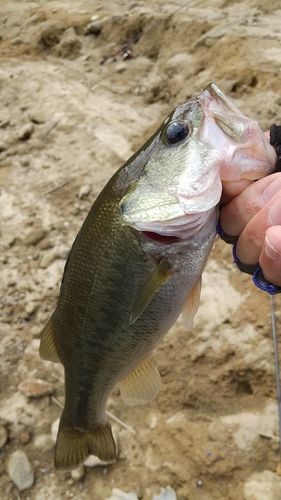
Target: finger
(270, 257)
(232, 188)
(243, 207)
(251, 240)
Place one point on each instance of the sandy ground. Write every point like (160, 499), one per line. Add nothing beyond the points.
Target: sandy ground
(67, 123)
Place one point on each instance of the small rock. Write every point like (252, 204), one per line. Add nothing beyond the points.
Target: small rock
(166, 494)
(38, 117)
(95, 26)
(78, 473)
(35, 388)
(117, 494)
(34, 236)
(3, 436)
(44, 443)
(62, 252)
(31, 307)
(26, 131)
(47, 259)
(45, 244)
(20, 470)
(93, 461)
(24, 437)
(84, 191)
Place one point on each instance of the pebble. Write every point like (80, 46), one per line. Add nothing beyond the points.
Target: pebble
(20, 470)
(24, 437)
(35, 388)
(34, 236)
(47, 259)
(166, 494)
(31, 307)
(3, 436)
(117, 494)
(84, 191)
(94, 27)
(26, 131)
(44, 443)
(78, 473)
(45, 244)
(38, 116)
(93, 461)
(62, 252)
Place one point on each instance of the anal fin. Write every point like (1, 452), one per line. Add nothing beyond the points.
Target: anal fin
(142, 384)
(47, 349)
(191, 305)
(154, 282)
(73, 446)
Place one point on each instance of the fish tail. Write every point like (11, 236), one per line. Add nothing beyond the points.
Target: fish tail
(73, 446)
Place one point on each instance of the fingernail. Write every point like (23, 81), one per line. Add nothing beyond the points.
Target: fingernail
(274, 212)
(270, 251)
(270, 191)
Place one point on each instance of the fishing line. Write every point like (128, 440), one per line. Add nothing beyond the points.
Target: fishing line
(276, 361)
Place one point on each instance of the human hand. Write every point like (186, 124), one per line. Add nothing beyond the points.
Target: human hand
(253, 213)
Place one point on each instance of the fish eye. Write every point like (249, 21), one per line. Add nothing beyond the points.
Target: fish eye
(176, 131)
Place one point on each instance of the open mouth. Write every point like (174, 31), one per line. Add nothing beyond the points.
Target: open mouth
(161, 239)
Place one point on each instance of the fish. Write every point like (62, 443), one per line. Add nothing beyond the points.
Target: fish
(137, 261)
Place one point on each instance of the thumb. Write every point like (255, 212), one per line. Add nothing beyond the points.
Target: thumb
(270, 257)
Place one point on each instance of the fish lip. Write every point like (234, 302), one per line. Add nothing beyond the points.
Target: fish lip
(225, 114)
(178, 230)
(212, 92)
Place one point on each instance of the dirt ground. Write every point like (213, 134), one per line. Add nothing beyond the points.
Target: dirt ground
(72, 111)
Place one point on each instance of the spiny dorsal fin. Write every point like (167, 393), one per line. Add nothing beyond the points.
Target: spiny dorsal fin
(191, 305)
(153, 283)
(47, 349)
(142, 384)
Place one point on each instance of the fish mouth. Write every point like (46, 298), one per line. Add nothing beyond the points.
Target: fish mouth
(175, 230)
(226, 115)
(247, 152)
(161, 239)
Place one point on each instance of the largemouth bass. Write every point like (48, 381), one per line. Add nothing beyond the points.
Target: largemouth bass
(137, 261)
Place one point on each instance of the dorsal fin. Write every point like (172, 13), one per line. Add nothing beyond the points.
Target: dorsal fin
(191, 305)
(47, 349)
(153, 283)
(142, 384)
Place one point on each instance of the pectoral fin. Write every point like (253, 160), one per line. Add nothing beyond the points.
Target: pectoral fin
(47, 349)
(191, 305)
(142, 384)
(154, 282)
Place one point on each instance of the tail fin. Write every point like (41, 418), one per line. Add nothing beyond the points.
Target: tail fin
(73, 446)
